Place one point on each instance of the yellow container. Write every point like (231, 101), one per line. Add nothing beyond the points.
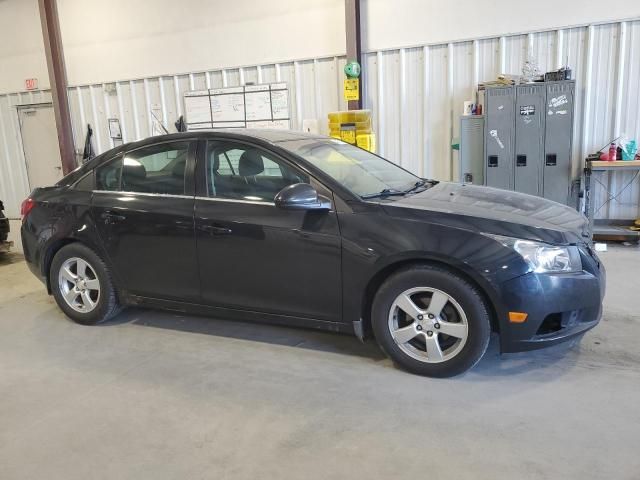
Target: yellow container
(350, 116)
(353, 126)
(361, 127)
(367, 142)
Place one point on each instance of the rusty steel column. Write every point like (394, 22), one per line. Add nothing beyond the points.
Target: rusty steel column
(354, 50)
(58, 81)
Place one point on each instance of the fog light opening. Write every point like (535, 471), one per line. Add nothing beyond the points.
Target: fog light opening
(551, 324)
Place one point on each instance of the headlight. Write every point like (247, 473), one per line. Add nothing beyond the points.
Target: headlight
(542, 257)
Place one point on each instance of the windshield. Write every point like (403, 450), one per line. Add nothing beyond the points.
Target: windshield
(363, 173)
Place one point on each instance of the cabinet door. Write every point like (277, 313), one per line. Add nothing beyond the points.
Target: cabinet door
(529, 151)
(499, 137)
(558, 140)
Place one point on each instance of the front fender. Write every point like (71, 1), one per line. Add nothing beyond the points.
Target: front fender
(374, 247)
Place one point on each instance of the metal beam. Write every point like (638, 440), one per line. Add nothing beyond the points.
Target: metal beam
(58, 80)
(354, 47)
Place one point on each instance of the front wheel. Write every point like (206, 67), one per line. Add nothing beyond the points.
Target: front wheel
(431, 321)
(81, 285)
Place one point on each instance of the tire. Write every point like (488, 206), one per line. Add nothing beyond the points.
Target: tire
(87, 299)
(410, 339)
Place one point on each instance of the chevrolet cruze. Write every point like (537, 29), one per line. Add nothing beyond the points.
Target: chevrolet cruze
(299, 229)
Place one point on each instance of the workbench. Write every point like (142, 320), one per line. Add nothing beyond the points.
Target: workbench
(607, 229)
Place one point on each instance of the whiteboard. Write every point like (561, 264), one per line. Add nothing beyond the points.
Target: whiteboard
(227, 107)
(277, 124)
(196, 104)
(258, 105)
(280, 104)
(249, 106)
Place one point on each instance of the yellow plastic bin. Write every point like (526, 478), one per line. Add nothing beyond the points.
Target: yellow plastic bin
(353, 126)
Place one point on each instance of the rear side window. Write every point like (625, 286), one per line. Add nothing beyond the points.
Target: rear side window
(85, 184)
(108, 175)
(156, 169)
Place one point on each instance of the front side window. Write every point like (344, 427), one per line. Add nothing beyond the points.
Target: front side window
(358, 170)
(156, 169)
(243, 172)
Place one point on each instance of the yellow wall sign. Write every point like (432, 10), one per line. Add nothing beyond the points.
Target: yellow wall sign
(351, 89)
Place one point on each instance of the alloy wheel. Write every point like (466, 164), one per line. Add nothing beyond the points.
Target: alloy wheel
(428, 324)
(79, 285)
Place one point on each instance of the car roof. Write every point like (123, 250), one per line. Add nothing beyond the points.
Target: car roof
(268, 135)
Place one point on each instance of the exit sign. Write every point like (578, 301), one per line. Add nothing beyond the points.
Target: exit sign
(31, 83)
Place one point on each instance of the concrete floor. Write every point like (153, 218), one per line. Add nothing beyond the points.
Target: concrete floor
(163, 396)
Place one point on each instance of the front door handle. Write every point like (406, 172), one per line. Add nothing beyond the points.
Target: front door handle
(216, 230)
(112, 217)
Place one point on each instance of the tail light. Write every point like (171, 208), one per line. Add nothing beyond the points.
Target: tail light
(26, 207)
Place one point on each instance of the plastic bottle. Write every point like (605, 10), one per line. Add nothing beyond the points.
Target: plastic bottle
(612, 152)
(629, 151)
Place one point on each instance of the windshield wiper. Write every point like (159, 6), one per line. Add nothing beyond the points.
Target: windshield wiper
(417, 185)
(387, 192)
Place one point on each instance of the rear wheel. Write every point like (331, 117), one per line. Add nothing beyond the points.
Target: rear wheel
(431, 321)
(82, 286)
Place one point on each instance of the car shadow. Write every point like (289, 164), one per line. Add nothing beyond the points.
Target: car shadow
(250, 331)
(550, 362)
(10, 258)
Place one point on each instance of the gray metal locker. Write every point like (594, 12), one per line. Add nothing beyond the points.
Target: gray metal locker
(558, 139)
(529, 141)
(471, 149)
(499, 137)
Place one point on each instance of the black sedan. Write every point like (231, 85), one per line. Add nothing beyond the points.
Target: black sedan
(305, 230)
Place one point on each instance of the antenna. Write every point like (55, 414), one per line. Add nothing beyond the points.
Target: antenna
(158, 120)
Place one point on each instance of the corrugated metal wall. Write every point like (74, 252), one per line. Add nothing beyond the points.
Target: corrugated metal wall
(416, 95)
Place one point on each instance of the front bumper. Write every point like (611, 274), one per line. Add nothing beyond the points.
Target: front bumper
(559, 306)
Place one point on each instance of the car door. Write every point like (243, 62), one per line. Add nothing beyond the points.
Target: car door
(253, 255)
(143, 207)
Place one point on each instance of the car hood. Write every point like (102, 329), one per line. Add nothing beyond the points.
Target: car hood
(491, 210)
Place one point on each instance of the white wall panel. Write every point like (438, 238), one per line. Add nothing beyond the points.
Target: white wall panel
(415, 95)
(401, 23)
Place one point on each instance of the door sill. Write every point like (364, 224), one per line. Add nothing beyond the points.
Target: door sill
(238, 314)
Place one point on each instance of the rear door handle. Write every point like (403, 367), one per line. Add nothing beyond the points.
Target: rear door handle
(216, 230)
(112, 217)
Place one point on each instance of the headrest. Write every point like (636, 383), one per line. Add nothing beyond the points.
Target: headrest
(215, 159)
(133, 169)
(250, 164)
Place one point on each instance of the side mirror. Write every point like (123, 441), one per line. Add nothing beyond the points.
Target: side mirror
(301, 196)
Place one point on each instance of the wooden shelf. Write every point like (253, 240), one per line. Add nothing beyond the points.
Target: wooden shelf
(616, 164)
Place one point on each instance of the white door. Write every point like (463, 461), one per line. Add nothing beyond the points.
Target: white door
(40, 144)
